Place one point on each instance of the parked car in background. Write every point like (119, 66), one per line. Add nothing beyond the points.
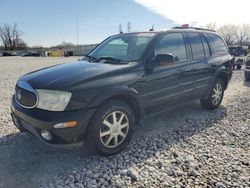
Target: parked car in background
(125, 79)
(247, 69)
(68, 53)
(237, 50)
(238, 63)
(31, 54)
(9, 54)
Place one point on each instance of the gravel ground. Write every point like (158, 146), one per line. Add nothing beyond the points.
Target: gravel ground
(186, 147)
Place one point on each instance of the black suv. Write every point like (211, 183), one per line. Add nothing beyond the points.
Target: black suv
(237, 50)
(125, 79)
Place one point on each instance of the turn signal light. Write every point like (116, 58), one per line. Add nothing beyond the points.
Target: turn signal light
(65, 125)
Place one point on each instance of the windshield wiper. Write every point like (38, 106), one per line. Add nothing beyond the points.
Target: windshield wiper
(92, 58)
(113, 60)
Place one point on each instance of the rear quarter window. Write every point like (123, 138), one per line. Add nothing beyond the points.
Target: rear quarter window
(217, 44)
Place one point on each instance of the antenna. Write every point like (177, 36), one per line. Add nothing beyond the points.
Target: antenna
(120, 29)
(152, 28)
(129, 27)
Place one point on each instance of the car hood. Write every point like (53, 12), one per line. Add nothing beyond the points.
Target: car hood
(67, 75)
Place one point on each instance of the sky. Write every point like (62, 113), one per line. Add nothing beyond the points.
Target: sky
(51, 22)
(201, 12)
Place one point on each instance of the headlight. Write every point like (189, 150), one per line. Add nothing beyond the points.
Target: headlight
(52, 100)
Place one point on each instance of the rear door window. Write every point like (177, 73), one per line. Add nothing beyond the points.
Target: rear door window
(206, 46)
(218, 45)
(196, 46)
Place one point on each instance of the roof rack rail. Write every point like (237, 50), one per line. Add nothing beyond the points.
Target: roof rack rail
(196, 28)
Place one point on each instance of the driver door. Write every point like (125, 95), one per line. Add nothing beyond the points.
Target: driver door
(163, 83)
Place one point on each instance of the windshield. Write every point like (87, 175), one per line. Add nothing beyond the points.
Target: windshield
(124, 47)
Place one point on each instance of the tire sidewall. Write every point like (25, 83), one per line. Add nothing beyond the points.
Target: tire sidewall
(247, 76)
(96, 124)
(218, 80)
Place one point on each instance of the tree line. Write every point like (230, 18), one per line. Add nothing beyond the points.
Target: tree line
(11, 35)
(233, 34)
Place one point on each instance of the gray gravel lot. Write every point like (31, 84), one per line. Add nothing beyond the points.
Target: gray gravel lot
(186, 147)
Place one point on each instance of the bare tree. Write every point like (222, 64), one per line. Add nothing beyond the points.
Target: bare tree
(228, 32)
(65, 45)
(211, 25)
(243, 34)
(11, 37)
(21, 45)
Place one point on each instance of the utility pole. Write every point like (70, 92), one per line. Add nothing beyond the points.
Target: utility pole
(77, 38)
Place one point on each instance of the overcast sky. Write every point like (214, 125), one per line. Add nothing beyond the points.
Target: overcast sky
(201, 12)
(50, 22)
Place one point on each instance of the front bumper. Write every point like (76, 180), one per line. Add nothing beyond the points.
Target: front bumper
(35, 120)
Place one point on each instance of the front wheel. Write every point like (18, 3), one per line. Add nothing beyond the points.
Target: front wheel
(111, 128)
(215, 95)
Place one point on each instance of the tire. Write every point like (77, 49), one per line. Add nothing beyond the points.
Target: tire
(211, 103)
(247, 76)
(102, 133)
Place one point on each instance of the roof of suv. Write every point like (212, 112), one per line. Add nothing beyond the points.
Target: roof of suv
(197, 29)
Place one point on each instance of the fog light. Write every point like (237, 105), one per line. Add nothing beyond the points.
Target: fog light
(46, 135)
(65, 125)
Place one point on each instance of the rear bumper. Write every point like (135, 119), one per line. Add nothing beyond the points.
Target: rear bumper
(35, 120)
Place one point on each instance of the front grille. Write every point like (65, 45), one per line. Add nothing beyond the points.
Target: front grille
(25, 96)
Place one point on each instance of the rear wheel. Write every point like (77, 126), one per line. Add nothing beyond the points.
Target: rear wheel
(111, 129)
(215, 96)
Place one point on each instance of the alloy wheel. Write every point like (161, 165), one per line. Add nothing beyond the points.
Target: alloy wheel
(217, 94)
(114, 129)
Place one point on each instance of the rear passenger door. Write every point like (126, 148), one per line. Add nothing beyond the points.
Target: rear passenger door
(201, 73)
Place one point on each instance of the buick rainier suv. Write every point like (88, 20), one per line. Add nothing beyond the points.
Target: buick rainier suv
(98, 100)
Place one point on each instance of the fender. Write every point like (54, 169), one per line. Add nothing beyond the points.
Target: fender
(221, 71)
(118, 91)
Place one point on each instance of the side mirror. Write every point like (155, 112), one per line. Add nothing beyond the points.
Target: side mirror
(162, 59)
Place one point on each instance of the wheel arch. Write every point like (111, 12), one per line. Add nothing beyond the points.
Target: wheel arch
(127, 95)
(224, 76)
